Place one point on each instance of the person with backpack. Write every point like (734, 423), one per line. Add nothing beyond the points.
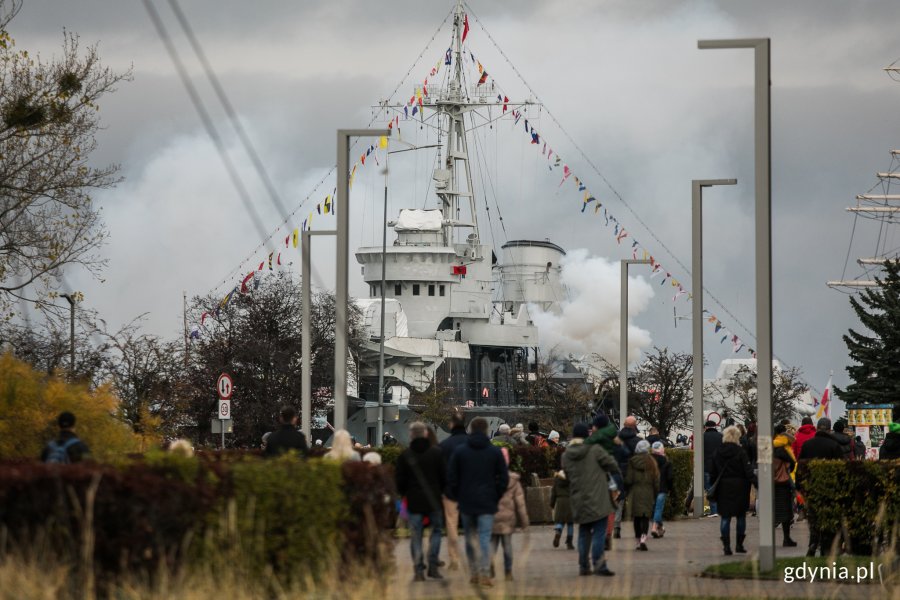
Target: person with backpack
(666, 483)
(783, 466)
(67, 448)
(535, 437)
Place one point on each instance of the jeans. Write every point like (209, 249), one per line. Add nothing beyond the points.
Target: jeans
(707, 482)
(725, 526)
(658, 509)
(415, 538)
(570, 528)
(478, 526)
(506, 540)
(591, 538)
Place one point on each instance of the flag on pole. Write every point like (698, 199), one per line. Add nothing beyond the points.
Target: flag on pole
(465, 27)
(824, 404)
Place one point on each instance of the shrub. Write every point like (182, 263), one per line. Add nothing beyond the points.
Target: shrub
(861, 498)
(683, 474)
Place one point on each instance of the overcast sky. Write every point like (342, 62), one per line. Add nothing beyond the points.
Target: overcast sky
(623, 78)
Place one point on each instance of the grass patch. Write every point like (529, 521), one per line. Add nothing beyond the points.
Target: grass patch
(854, 565)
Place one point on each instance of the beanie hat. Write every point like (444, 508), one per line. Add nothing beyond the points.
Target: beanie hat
(580, 431)
(553, 435)
(601, 420)
(504, 429)
(658, 448)
(643, 447)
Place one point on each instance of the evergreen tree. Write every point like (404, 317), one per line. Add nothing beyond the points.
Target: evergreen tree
(876, 377)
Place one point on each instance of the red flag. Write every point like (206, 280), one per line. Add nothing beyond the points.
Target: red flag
(278, 262)
(260, 267)
(287, 240)
(505, 100)
(244, 289)
(465, 27)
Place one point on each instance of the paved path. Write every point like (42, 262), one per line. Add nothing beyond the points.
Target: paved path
(671, 566)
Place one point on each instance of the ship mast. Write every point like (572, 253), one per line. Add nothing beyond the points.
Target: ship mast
(456, 167)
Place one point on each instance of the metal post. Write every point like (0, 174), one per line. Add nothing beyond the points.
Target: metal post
(305, 339)
(222, 423)
(697, 186)
(763, 185)
(379, 431)
(342, 299)
(623, 339)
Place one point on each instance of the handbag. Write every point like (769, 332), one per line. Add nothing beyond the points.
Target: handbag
(711, 491)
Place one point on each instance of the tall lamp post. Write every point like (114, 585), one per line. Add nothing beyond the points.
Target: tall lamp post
(623, 338)
(763, 188)
(697, 186)
(72, 299)
(342, 299)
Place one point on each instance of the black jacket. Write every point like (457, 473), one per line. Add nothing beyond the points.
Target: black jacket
(653, 438)
(846, 443)
(478, 476)
(284, 439)
(77, 452)
(458, 437)
(624, 451)
(890, 448)
(733, 490)
(749, 445)
(821, 445)
(421, 476)
(712, 441)
(666, 477)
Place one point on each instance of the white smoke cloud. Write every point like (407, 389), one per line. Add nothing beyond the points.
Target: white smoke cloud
(588, 322)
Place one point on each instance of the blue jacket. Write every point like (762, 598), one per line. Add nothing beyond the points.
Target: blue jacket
(458, 437)
(477, 476)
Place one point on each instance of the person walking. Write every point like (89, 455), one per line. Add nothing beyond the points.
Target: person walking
(67, 448)
(859, 447)
(712, 441)
(342, 447)
(588, 467)
(846, 442)
(624, 449)
(603, 432)
(511, 511)
(732, 475)
(458, 437)
(477, 479)
(807, 431)
(890, 447)
(560, 502)
(821, 445)
(783, 464)
(286, 437)
(642, 483)
(666, 484)
(421, 477)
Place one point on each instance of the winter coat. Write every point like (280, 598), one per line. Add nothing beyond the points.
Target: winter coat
(846, 443)
(606, 437)
(642, 483)
(458, 437)
(77, 451)
(624, 451)
(822, 445)
(518, 437)
(749, 445)
(560, 499)
(653, 438)
(859, 450)
(733, 490)
(784, 493)
(511, 509)
(666, 475)
(503, 438)
(890, 448)
(478, 476)
(806, 432)
(588, 468)
(712, 441)
(286, 438)
(421, 476)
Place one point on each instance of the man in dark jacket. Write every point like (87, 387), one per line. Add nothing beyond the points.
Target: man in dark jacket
(421, 477)
(890, 447)
(458, 437)
(846, 442)
(286, 437)
(712, 441)
(806, 432)
(628, 436)
(66, 448)
(477, 478)
(824, 446)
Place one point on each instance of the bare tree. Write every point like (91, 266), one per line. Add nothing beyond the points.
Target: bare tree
(48, 123)
(560, 393)
(663, 382)
(787, 387)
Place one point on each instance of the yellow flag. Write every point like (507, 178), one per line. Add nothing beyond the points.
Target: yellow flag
(382, 142)
(296, 234)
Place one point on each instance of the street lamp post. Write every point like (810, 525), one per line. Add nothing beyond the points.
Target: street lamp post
(763, 187)
(305, 335)
(697, 186)
(71, 299)
(623, 338)
(342, 299)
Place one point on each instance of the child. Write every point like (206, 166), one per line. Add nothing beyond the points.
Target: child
(562, 509)
(642, 483)
(666, 481)
(510, 509)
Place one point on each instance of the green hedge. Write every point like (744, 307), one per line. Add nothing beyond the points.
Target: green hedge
(682, 461)
(861, 498)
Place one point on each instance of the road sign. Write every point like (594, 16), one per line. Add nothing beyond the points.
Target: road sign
(224, 409)
(217, 426)
(224, 386)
